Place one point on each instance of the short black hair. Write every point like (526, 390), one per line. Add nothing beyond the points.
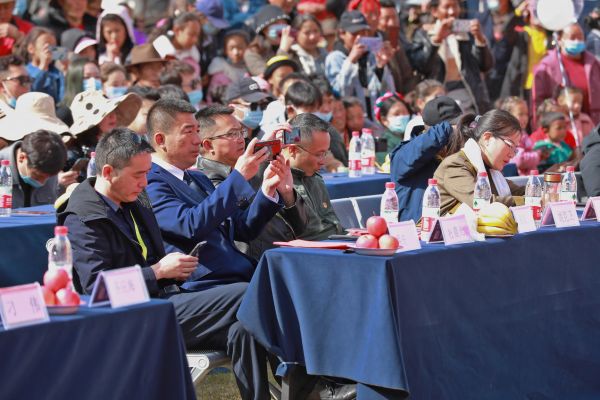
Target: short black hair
(173, 71)
(303, 94)
(162, 114)
(45, 151)
(295, 76)
(145, 92)
(206, 117)
(308, 123)
(7, 61)
(387, 4)
(117, 147)
(322, 83)
(547, 118)
(171, 91)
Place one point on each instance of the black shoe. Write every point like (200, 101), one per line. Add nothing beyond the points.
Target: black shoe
(334, 391)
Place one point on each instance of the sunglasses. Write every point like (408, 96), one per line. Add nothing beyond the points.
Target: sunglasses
(24, 80)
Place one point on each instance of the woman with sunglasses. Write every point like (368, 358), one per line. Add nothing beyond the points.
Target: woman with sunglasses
(493, 142)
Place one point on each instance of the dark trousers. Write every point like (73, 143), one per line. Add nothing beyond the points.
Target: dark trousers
(208, 320)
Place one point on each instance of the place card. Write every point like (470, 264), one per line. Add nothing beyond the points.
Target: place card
(22, 305)
(592, 209)
(524, 217)
(560, 213)
(451, 230)
(120, 287)
(406, 233)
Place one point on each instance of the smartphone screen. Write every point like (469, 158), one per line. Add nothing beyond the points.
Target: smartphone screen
(291, 137)
(374, 44)
(58, 53)
(461, 26)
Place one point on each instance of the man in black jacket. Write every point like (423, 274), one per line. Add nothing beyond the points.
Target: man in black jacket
(590, 164)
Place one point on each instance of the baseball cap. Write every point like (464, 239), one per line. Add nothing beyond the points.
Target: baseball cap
(441, 109)
(353, 21)
(247, 89)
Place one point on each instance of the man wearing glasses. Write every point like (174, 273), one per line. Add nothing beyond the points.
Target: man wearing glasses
(14, 80)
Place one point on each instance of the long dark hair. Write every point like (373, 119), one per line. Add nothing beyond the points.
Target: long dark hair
(127, 45)
(499, 123)
(74, 80)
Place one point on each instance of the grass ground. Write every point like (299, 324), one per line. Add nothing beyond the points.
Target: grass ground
(218, 385)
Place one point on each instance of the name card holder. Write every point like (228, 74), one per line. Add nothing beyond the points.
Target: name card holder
(451, 230)
(592, 209)
(406, 233)
(119, 287)
(560, 213)
(22, 305)
(524, 217)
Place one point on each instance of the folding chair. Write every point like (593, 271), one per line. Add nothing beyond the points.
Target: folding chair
(366, 206)
(345, 211)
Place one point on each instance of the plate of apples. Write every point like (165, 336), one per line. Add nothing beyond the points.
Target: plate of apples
(377, 242)
(59, 296)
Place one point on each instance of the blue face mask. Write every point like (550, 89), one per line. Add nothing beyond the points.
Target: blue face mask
(398, 123)
(574, 47)
(31, 182)
(92, 84)
(12, 102)
(252, 118)
(275, 30)
(324, 116)
(196, 97)
(112, 92)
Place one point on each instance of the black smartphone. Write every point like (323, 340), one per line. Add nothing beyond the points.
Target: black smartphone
(196, 250)
(274, 147)
(291, 137)
(381, 145)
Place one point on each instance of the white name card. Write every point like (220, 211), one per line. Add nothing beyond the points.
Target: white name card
(22, 305)
(120, 287)
(592, 209)
(560, 213)
(453, 229)
(524, 217)
(406, 233)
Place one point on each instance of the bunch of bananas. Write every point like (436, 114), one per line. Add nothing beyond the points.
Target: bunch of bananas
(496, 219)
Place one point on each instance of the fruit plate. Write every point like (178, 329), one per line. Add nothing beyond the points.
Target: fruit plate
(63, 310)
(375, 252)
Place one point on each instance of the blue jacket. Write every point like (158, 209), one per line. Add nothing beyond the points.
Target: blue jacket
(412, 163)
(190, 214)
(51, 82)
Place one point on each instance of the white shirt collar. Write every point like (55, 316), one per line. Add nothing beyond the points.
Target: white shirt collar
(178, 173)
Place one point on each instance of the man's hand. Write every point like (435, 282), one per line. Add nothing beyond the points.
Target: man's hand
(273, 176)
(441, 30)
(249, 162)
(384, 55)
(65, 178)
(175, 266)
(9, 30)
(286, 186)
(357, 51)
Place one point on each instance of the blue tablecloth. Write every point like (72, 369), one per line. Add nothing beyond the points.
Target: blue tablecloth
(339, 186)
(513, 318)
(130, 353)
(23, 246)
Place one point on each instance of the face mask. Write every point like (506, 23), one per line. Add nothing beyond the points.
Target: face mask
(112, 92)
(252, 118)
(209, 29)
(92, 84)
(493, 5)
(324, 116)
(275, 30)
(574, 47)
(12, 102)
(195, 97)
(31, 182)
(398, 124)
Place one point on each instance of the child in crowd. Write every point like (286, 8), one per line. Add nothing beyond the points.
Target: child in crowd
(550, 105)
(114, 79)
(355, 117)
(230, 68)
(425, 91)
(114, 32)
(525, 158)
(583, 121)
(393, 113)
(554, 125)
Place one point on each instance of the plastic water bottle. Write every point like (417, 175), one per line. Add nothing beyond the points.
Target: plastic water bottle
(59, 251)
(389, 203)
(431, 209)
(367, 152)
(533, 194)
(483, 191)
(5, 189)
(568, 186)
(91, 167)
(354, 156)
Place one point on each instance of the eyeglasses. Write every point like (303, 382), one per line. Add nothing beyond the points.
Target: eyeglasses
(23, 80)
(231, 135)
(511, 146)
(320, 155)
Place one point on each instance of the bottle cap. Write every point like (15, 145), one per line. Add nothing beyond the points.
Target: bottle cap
(61, 230)
(482, 174)
(367, 131)
(390, 185)
(432, 181)
(571, 168)
(534, 172)
(93, 154)
(355, 133)
(5, 163)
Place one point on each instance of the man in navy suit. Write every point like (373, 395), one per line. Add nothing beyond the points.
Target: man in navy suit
(189, 209)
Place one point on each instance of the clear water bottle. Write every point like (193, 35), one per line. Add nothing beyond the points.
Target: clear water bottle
(91, 167)
(6, 185)
(367, 152)
(389, 203)
(568, 186)
(59, 251)
(431, 209)
(354, 156)
(483, 191)
(533, 194)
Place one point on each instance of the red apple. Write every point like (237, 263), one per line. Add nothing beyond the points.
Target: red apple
(56, 279)
(49, 297)
(388, 242)
(367, 242)
(67, 297)
(377, 226)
